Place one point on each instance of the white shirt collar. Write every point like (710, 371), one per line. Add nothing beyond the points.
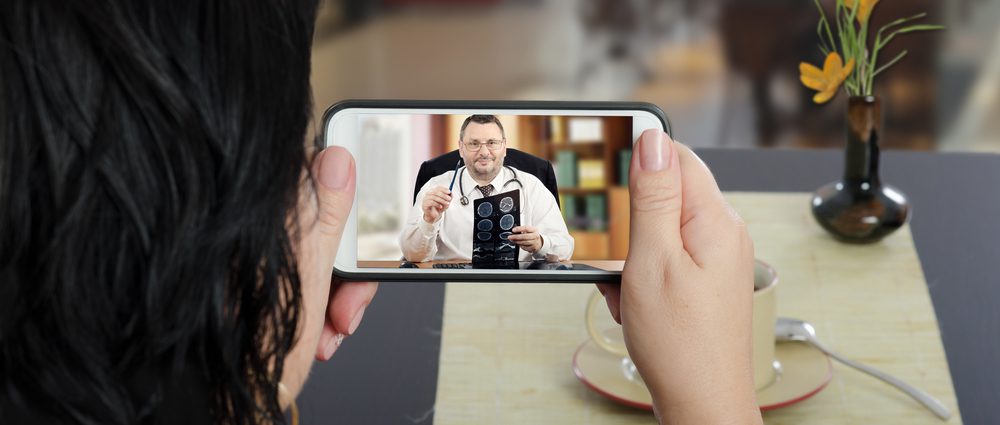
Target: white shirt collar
(470, 183)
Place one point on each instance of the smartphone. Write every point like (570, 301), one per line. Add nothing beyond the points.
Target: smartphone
(488, 191)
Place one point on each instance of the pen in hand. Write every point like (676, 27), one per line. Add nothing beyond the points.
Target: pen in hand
(457, 167)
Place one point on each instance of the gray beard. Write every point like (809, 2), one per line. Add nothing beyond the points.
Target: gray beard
(484, 179)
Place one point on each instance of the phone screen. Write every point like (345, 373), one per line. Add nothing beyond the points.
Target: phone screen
(501, 195)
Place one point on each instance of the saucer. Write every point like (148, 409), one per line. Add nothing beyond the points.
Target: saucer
(804, 372)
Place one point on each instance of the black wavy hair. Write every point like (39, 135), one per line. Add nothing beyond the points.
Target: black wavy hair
(151, 154)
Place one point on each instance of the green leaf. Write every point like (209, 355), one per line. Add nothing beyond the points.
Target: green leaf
(881, 41)
(851, 88)
(824, 23)
(915, 28)
(891, 63)
(847, 39)
(854, 12)
(851, 43)
(901, 21)
(909, 29)
(861, 67)
(896, 23)
(837, 12)
(819, 33)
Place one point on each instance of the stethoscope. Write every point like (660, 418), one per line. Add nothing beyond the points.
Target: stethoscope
(461, 187)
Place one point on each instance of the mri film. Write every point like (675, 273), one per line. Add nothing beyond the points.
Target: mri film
(495, 216)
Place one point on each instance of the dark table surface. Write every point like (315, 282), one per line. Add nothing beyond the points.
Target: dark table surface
(387, 372)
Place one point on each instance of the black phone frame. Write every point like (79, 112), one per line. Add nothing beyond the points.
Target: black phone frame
(481, 275)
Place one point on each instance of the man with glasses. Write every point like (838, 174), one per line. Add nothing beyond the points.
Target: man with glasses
(440, 227)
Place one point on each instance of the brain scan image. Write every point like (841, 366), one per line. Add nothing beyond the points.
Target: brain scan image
(506, 204)
(507, 222)
(484, 254)
(484, 236)
(504, 236)
(485, 209)
(484, 225)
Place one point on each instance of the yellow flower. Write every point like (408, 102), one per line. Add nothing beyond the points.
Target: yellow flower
(828, 80)
(865, 11)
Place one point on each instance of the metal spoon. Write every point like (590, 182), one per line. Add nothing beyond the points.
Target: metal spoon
(787, 329)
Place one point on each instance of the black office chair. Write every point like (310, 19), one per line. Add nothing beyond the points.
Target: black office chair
(523, 162)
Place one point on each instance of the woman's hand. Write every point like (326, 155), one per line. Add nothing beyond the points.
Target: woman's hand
(331, 310)
(686, 298)
(344, 311)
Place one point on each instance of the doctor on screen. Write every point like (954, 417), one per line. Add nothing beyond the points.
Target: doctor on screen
(440, 224)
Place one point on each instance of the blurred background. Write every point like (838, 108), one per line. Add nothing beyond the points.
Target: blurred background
(724, 71)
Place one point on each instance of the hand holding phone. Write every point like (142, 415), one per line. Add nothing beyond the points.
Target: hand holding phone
(687, 290)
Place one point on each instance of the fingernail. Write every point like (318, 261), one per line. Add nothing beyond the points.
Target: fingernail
(333, 344)
(356, 321)
(334, 168)
(654, 153)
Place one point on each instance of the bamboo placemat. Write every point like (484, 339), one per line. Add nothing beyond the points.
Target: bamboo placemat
(506, 349)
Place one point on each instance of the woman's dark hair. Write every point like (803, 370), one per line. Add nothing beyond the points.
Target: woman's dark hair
(150, 158)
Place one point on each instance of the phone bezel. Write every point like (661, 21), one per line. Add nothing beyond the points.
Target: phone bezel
(464, 106)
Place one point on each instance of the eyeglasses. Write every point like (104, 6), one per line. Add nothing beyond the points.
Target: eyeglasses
(475, 145)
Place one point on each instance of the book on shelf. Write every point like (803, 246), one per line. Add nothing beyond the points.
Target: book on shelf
(591, 173)
(585, 129)
(566, 172)
(569, 212)
(596, 212)
(624, 162)
(556, 132)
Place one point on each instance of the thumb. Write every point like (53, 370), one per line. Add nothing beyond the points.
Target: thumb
(334, 171)
(656, 203)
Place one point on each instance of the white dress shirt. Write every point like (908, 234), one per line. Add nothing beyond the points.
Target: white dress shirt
(450, 238)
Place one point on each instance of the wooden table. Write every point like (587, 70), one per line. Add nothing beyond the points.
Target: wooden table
(387, 372)
(506, 348)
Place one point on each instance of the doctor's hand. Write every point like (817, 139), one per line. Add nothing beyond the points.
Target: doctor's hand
(686, 297)
(527, 237)
(435, 202)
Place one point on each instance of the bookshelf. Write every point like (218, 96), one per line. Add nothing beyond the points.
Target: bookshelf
(591, 156)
